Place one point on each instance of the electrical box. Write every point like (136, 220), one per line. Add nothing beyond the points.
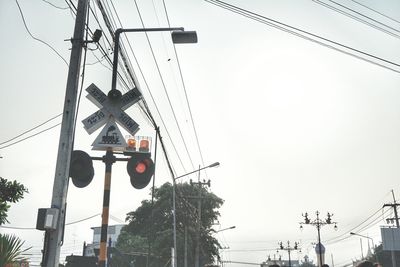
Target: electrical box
(47, 219)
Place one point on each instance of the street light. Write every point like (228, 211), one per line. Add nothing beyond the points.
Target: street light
(179, 36)
(373, 245)
(318, 222)
(215, 164)
(228, 228)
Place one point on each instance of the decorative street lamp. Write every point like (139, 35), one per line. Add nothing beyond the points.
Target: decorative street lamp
(288, 248)
(318, 223)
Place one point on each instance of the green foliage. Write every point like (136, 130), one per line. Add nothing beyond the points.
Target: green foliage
(10, 191)
(11, 249)
(150, 227)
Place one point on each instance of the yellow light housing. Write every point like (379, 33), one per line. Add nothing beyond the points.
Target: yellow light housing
(131, 143)
(144, 145)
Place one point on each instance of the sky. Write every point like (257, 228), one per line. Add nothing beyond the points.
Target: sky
(296, 126)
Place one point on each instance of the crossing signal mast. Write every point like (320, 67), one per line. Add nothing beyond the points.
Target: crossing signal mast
(140, 168)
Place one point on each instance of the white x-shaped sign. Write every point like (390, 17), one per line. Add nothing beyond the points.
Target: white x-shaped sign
(109, 108)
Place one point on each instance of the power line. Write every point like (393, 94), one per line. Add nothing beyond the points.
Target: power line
(103, 50)
(164, 86)
(303, 34)
(145, 109)
(58, 7)
(346, 235)
(380, 13)
(37, 39)
(184, 89)
(357, 18)
(30, 136)
(34, 128)
(30, 228)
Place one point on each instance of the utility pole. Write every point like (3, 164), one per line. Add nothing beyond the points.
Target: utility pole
(288, 248)
(54, 238)
(200, 185)
(396, 219)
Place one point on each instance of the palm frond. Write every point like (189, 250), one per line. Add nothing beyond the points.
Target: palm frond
(11, 249)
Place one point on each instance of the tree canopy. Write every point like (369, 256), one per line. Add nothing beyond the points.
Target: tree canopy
(10, 192)
(150, 228)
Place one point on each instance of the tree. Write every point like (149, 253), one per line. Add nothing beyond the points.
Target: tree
(150, 228)
(11, 249)
(10, 191)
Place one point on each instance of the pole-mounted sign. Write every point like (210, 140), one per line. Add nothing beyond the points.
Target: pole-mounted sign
(111, 112)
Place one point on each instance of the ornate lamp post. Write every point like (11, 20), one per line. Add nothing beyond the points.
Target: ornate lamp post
(317, 222)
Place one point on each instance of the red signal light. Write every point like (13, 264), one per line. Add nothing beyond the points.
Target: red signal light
(141, 167)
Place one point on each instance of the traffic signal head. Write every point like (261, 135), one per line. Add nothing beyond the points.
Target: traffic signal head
(81, 168)
(140, 168)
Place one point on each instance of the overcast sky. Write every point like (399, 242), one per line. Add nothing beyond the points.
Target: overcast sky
(297, 126)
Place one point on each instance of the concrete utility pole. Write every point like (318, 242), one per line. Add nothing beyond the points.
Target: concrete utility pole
(60, 186)
(396, 218)
(197, 251)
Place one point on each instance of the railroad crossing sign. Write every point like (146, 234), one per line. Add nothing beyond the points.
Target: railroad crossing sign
(110, 136)
(111, 110)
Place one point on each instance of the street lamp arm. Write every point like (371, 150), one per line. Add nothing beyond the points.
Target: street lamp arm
(352, 233)
(120, 30)
(184, 37)
(228, 228)
(215, 164)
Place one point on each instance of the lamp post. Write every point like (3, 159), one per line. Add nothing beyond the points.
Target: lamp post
(373, 245)
(174, 255)
(318, 223)
(288, 248)
(179, 36)
(221, 230)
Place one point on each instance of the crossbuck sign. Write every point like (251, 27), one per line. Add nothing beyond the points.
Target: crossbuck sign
(111, 109)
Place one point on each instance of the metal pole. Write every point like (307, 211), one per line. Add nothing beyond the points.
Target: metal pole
(108, 159)
(197, 251)
(362, 254)
(215, 164)
(116, 48)
(60, 186)
(319, 241)
(290, 264)
(174, 223)
(398, 226)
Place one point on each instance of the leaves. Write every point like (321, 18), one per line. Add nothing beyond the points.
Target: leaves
(11, 249)
(10, 191)
(150, 227)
